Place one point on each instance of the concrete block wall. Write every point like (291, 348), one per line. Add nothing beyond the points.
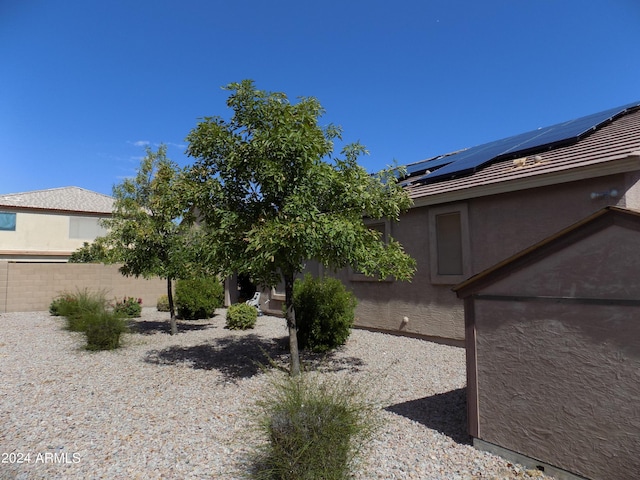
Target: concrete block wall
(30, 287)
(4, 268)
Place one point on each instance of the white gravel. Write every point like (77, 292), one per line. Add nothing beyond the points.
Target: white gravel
(175, 407)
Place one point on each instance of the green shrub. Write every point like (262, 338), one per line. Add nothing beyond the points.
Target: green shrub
(103, 330)
(241, 316)
(129, 307)
(87, 312)
(163, 303)
(95, 252)
(324, 313)
(315, 428)
(75, 307)
(198, 297)
(59, 303)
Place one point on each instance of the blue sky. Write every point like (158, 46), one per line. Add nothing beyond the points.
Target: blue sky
(86, 84)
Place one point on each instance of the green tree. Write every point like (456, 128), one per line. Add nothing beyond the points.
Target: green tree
(273, 196)
(147, 233)
(94, 252)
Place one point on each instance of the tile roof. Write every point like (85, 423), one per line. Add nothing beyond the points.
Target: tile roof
(69, 199)
(617, 140)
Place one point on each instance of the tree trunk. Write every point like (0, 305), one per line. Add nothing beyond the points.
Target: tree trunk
(172, 311)
(291, 324)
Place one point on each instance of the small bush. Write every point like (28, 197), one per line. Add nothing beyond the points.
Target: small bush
(75, 307)
(59, 303)
(315, 428)
(241, 316)
(163, 303)
(198, 298)
(129, 307)
(103, 330)
(324, 313)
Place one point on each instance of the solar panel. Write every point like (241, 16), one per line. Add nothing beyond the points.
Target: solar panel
(470, 160)
(430, 164)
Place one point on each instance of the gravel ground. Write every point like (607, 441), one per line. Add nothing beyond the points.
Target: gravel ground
(175, 407)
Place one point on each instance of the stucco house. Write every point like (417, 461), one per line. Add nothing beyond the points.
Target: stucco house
(478, 206)
(553, 351)
(503, 197)
(39, 230)
(48, 225)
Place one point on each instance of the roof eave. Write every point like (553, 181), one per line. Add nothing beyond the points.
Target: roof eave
(602, 167)
(56, 211)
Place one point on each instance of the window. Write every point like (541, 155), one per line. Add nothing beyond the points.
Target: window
(8, 221)
(449, 244)
(382, 226)
(85, 228)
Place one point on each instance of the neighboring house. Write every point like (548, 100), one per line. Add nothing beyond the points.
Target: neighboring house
(553, 351)
(49, 225)
(476, 207)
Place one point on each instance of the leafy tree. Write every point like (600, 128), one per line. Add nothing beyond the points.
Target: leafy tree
(146, 230)
(94, 252)
(273, 196)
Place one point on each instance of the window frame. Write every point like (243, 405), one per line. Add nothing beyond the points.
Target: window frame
(277, 294)
(79, 223)
(465, 247)
(15, 221)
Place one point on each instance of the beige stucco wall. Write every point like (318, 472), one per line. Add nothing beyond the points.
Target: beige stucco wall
(31, 286)
(40, 234)
(433, 310)
(503, 225)
(499, 226)
(558, 379)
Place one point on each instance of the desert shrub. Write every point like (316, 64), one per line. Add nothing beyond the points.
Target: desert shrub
(241, 316)
(59, 303)
(315, 428)
(324, 313)
(129, 307)
(103, 330)
(163, 303)
(75, 307)
(198, 297)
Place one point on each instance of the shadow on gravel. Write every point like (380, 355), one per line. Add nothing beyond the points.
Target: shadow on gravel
(445, 413)
(329, 362)
(237, 357)
(150, 327)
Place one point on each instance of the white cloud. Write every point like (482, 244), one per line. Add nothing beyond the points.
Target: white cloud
(177, 145)
(141, 143)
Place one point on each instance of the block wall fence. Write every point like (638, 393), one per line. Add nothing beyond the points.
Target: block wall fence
(30, 287)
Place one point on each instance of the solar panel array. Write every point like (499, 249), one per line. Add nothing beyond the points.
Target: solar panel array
(470, 160)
